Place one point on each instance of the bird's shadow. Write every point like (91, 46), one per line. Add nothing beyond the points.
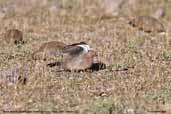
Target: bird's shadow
(94, 67)
(53, 64)
(97, 66)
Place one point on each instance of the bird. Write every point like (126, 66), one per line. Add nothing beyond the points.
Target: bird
(14, 35)
(48, 49)
(78, 57)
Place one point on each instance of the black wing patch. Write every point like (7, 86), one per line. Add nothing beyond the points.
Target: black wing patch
(73, 50)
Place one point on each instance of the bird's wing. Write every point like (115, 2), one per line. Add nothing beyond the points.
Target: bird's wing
(73, 50)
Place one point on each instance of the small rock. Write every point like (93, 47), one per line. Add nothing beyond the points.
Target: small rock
(147, 24)
(14, 35)
(48, 50)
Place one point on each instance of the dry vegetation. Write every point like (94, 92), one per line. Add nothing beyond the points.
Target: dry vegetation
(136, 81)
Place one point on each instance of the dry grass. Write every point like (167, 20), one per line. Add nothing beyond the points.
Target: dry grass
(142, 87)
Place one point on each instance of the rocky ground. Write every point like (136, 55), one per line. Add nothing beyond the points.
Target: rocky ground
(138, 75)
